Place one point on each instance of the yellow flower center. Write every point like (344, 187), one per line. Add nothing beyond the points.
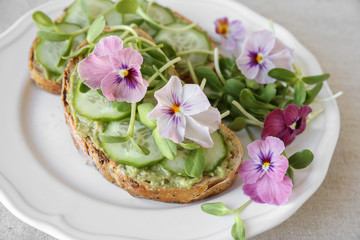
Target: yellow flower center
(123, 73)
(266, 165)
(293, 126)
(223, 28)
(259, 58)
(175, 108)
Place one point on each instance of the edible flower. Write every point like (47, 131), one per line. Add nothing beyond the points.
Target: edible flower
(264, 174)
(185, 112)
(261, 53)
(114, 70)
(286, 124)
(231, 33)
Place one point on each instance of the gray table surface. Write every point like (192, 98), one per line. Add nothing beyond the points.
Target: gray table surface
(331, 31)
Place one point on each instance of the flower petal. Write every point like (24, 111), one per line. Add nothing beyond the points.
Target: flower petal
(159, 111)
(274, 124)
(193, 100)
(237, 30)
(251, 191)
(257, 150)
(272, 192)
(92, 70)
(172, 127)
(275, 144)
(228, 43)
(282, 59)
(262, 76)
(109, 86)
(170, 93)
(261, 42)
(301, 124)
(123, 59)
(210, 118)
(291, 114)
(247, 66)
(278, 167)
(108, 45)
(198, 133)
(289, 136)
(250, 171)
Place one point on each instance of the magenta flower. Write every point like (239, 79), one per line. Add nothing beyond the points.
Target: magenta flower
(261, 53)
(264, 174)
(114, 70)
(286, 125)
(231, 33)
(184, 111)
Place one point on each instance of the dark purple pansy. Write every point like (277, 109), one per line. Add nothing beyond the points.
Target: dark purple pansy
(286, 124)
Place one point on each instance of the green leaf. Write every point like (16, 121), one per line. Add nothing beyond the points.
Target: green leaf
(238, 124)
(166, 146)
(283, 75)
(312, 93)
(52, 36)
(248, 99)
(68, 49)
(126, 6)
(112, 139)
(211, 78)
(301, 159)
(100, 92)
(138, 147)
(96, 29)
(190, 145)
(233, 87)
(250, 83)
(316, 79)
(143, 110)
(168, 49)
(84, 8)
(290, 174)
(217, 209)
(195, 162)
(157, 55)
(83, 88)
(268, 92)
(121, 106)
(226, 66)
(299, 93)
(42, 19)
(238, 230)
(77, 52)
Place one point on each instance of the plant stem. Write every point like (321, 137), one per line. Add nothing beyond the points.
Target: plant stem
(217, 67)
(130, 131)
(160, 74)
(163, 68)
(202, 84)
(248, 115)
(194, 51)
(191, 70)
(151, 48)
(249, 133)
(314, 115)
(240, 209)
(336, 95)
(225, 114)
(125, 28)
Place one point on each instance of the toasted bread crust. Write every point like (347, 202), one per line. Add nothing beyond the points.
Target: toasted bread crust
(208, 187)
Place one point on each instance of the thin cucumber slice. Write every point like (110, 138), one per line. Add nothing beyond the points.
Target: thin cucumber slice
(187, 40)
(114, 18)
(66, 27)
(161, 14)
(94, 106)
(48, 55)
(125, 153)
(213, 157)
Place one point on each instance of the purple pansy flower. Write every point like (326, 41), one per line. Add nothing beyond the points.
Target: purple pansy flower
(231, 33)
(185, 112)
(264, 174)
(286, 125)
(114, 70)
(261, 53)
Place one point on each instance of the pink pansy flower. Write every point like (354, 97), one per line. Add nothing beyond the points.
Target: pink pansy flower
(261, 53)
(185, 112)
(231, 33)
(286, 125)
(114, 70)
(264, 174)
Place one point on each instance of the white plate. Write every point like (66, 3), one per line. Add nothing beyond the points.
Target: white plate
(44, 180)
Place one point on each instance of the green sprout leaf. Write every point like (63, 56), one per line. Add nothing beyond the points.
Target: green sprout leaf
(252, 84)
(77, 52)
(166, 146)
(95, 29)
(67, 51)
(211, 78)
(299, 93)
(301, 159)
(312, 93)
(190, 145)
(316, 79)
(226, 66)
(127, 6)
(52, 36)
(143, 110)
(290, 173)
(238, 230)
(139, 147)
(83, 88)
(168, 49)
(42, 19)
(112, 139)
(283, 75)
(195, 162)
(121, 106)
(233, 87)
(248, 99)
(238, 124)
(268, 92)
(217, 209)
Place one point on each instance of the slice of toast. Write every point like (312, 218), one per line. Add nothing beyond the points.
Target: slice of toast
(209, 185)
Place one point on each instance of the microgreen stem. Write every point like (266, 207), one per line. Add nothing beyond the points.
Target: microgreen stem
(225, 114)
(202, 84)
(130, 131)
(163, 68)
(249, 133)
(216, 102)
(240, 209)
(248, 115)
(194, 51)
(150, 3)
(314, 115)
(141, 13)
(160, 74)
(150, 48)
(272, 28)
(217, 67)
(298, 71)
(80, 31)
(109, 10)
(338, 94)
(284, 96)
(191, 70)
(125, 28)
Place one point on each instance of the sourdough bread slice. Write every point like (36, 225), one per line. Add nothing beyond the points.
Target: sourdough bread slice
(209, 185)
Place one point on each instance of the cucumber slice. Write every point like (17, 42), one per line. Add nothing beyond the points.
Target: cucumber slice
(125, 153)
(114, 18)
(161, 14)
(213, 157)
(183, 41)
(70, 28)
(94, 106)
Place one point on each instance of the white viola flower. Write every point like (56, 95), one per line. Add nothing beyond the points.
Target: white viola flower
(185, 112)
